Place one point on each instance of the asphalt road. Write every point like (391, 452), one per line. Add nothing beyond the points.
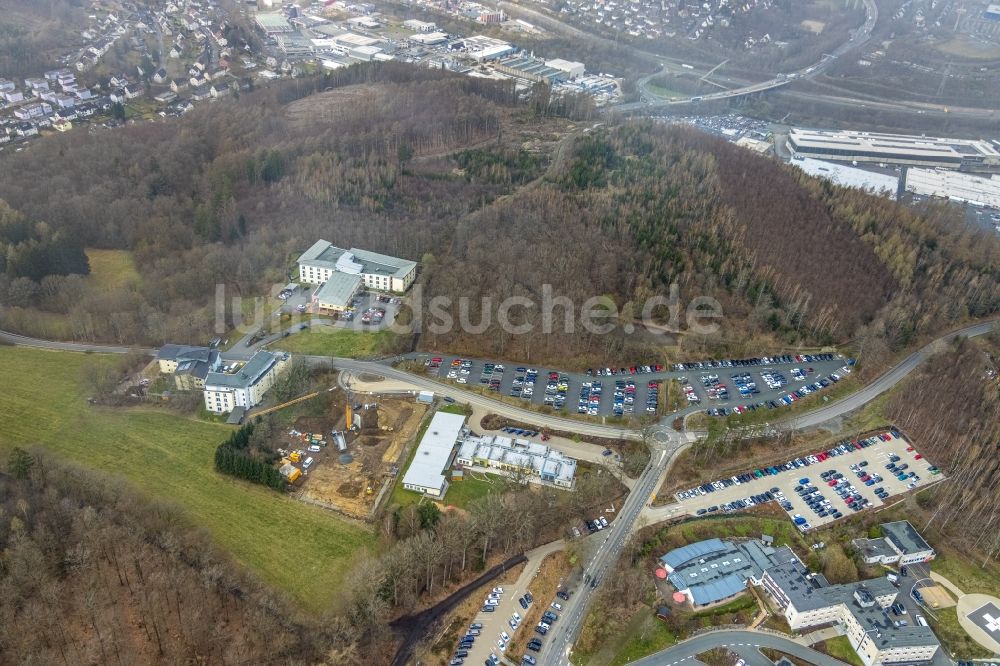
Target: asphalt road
(862, 397)
(85, 347)
(746, 643)
(559, 641)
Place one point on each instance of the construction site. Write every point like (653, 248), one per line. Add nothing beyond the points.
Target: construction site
(348, 457)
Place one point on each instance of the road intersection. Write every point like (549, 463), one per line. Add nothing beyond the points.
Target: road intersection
(663, 441)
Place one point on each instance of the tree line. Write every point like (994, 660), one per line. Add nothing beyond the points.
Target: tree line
(246, 454)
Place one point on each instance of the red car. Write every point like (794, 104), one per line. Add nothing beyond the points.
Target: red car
(657, 368)
(831, 482)
(917, 457)
(909, 448)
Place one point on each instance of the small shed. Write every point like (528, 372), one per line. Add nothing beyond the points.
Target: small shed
(767, 539)
(425, 397)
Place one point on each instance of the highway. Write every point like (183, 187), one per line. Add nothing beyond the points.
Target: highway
(860, 37)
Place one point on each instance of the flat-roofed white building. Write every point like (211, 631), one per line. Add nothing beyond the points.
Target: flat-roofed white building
(419, 26)
(574, 69)
(962, 187)
(426, 472)
(429, 38)
(506, 454)
(881, 184)
(377, 271)
(853, 146)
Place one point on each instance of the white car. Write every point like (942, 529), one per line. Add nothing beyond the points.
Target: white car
(504, 636)
(497, 590)
(492, 602)
(558, 607)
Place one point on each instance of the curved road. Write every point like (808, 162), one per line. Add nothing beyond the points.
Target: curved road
(860, 398)
(663, 435)
(745, 643)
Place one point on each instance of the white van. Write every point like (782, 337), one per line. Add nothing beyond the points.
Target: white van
(307, 464)
(921, 621)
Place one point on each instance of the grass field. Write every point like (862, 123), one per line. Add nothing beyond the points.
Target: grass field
(300, 550)
(111, 269)
(840, 648)
(336, 342)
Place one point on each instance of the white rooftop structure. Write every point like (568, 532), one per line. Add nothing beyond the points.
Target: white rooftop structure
(846, 176)
(854, 146)
(426, 472)
(429, 38)
(508, 454)
(574, 69)
(955, 186)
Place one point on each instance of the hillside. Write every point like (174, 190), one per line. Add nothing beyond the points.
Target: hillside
(496, 197)
(951, 407)
(92, 573)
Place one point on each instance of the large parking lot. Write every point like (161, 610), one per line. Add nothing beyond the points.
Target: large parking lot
(719, 387)
(822, 487)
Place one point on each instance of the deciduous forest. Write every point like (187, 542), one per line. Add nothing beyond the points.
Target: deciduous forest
(496, 197)
(91, 572)
(951, 408)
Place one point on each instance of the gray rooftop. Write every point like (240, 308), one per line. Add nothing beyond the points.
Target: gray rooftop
(338, 290)
(246, 376)
(902, 534)
(806, 595)
(875, 547)
(324, 254)
(715, 569)
(178, 353)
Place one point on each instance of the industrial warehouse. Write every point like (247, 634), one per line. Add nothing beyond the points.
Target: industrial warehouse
(897, 149)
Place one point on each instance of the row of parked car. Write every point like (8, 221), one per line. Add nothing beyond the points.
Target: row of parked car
(841, 448)
(757, 360)
(774, 380)
(631, 370)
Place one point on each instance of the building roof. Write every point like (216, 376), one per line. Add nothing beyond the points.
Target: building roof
(245, 376)
(875, 548)
(324, 254)
(839, 174)
(273, 22)
(178, 353)
(338, 290)
(714, 569)
(906, 539)
(888, 146)
(977, 190)
(522, 453)
(434, 451)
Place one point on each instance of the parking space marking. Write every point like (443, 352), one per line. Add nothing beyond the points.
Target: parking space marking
(785, 482)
